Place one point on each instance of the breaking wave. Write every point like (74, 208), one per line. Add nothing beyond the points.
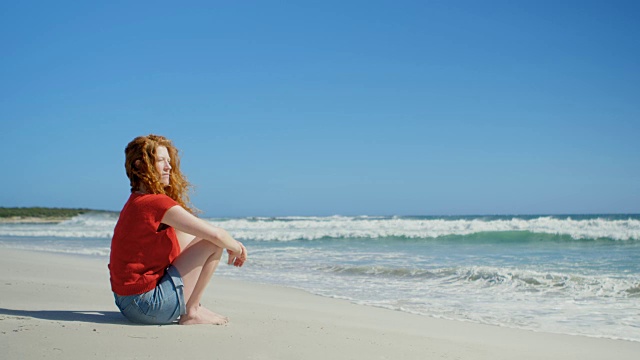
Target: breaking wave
(100, 225)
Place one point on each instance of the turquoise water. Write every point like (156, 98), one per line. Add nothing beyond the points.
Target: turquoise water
(577, 274)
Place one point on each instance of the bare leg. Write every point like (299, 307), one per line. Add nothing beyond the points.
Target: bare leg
(196, 264)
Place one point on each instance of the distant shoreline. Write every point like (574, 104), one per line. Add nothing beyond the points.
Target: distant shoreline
(40, 214)
(56, 215)
(32, 220)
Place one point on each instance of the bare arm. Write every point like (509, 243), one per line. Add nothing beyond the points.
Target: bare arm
(182, 220)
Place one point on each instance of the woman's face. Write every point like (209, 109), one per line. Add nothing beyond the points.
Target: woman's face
(163, 164)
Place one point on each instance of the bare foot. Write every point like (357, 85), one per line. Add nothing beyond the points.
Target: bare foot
(211, 313)
(202, 315)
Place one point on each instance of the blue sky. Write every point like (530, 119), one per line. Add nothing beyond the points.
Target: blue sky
(327, 107)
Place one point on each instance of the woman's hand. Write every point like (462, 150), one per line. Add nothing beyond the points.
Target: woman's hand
(235, 258)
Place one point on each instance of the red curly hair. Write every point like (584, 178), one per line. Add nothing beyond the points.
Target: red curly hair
(140, 159)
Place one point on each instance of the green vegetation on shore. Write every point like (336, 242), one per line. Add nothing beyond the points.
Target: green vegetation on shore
(41, 212)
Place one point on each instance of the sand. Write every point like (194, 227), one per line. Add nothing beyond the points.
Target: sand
(60, 306)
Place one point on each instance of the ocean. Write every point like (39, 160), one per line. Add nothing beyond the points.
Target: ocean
(571, 274)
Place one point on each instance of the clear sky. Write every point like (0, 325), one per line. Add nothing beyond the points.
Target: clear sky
(327, 107)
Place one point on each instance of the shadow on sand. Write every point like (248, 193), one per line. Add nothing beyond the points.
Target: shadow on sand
(96, 317)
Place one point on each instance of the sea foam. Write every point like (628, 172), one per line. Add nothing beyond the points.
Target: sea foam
(284, 229)
(312, 228)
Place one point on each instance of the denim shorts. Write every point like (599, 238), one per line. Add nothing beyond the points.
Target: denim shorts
(161, 305)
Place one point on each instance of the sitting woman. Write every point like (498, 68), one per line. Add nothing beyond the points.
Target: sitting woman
(163, 256)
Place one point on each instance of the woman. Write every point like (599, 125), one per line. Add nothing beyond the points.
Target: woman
(163, 256)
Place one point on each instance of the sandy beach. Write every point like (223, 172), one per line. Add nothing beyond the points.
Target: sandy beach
(60, 306)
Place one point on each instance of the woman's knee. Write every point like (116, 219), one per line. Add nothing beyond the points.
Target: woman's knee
(198, 253)
(217, 251)
(210, 248)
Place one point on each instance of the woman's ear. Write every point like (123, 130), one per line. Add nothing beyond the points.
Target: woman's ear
(137, 164)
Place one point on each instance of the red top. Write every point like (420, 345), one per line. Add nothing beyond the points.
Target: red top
(142, 247)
